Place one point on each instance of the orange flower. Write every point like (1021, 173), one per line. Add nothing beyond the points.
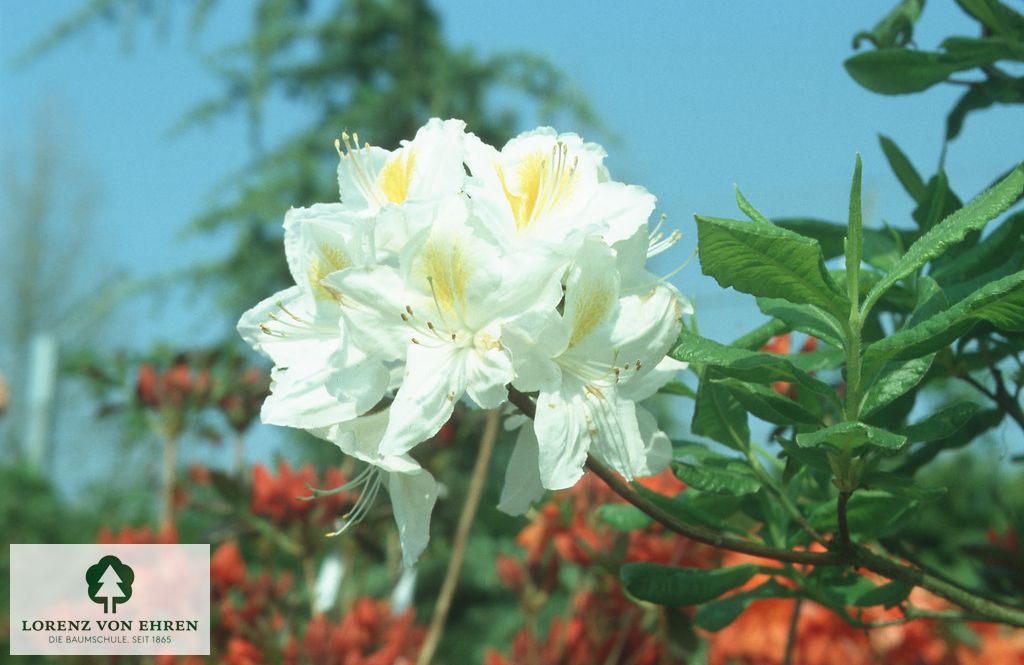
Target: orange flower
(277, 497)
(227, 568)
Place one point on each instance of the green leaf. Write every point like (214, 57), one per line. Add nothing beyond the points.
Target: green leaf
(900, 486)
(888, 595)
(717, 415)
(981, 96)
(749, 210)
(765, 260)
(897, 71)
(977, 425)
(942, 423)
(734, 478)
(1001, 303)
(677, 387)
(808, 319)
(847, 435)
(998, 248)
(769, 405)
(899, 379)
(903, 168)
(718, 614)
(810, 457)
(952, 230)
(680, 587)
(938, 203)
(896, 28)
(878, 244)
(870, 514)
(755, 366)
(997, 17)
(623, 517)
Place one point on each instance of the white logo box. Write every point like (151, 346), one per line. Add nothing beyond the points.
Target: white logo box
(137, 599)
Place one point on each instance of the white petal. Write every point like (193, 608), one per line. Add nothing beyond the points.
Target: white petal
(412, 497)
(562, 436)
(620, 210)
(360, 379)
(434, 381)
(615, 433)
(373, 302)
(298, 398)
(488, 374)
(533, 339)
(522, 475)
(657, 445)
(357, 177)
(646, 384)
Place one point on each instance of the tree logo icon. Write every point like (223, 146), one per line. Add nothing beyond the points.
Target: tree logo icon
(110, 583)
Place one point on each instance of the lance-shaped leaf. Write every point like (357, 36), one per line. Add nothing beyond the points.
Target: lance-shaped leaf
(903, 168)
(679, 587)
(952, 230)
(897, 71)
(1001, 303)
(900, 485)
(755, 366)
(731, 477)
(717, 415)
(769, 405)
(976, 425)
(807, 319)
(895, 382)
(887, 595)
(847, 435)
(718, 614)
(623, 517)
(941, 424)
(765, 260)
(997, 249)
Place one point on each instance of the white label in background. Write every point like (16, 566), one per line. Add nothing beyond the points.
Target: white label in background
(110, 599)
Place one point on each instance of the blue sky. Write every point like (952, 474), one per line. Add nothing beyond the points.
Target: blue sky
(702, 95)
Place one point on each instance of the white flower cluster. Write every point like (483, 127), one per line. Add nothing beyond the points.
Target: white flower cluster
(450, 270)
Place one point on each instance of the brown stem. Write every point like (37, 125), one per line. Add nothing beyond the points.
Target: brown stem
(794, 622)
(309, 577)
(239, 459)
(855, 556)
(844, 529)
(451, 579)
(169, 468)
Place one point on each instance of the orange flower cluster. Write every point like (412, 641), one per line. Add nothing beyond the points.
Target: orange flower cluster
(368, 634)
(568, 527)
(241, 398)
(276, 496)
(252, 623)
(173, 387)
(602, 627)
(760, 635)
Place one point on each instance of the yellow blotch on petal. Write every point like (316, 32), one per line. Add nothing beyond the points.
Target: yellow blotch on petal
(396, 175)
(592, 307)
(448, 271)
(542, 182)
(329, 259)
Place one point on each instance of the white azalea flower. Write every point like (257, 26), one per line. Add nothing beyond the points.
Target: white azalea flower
(552, 188)
(453, 269)
(319, 377)
(583, 362)
(442, 313)
(412, 489)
